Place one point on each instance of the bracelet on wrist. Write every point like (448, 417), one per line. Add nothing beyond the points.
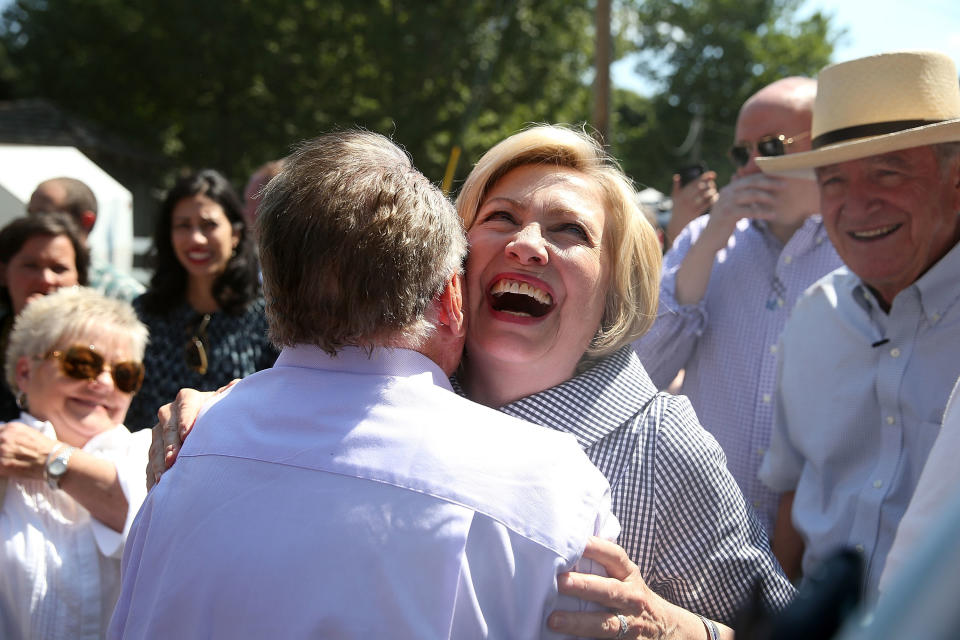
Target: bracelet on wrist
(713, 632)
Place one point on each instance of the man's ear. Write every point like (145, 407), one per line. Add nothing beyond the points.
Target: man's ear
(450, 312)
(87, 220)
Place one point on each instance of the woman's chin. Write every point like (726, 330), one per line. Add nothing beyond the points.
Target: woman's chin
(87, 418)
(515, 349)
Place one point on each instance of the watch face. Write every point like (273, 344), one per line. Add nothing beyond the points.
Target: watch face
(57, 467)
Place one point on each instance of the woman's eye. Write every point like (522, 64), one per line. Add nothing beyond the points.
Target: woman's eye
(499, 216)
(574, 229)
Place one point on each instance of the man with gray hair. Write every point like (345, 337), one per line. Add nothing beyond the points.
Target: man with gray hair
(347, 491)
(871, 351)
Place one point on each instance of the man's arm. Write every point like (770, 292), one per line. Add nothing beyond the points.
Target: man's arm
(689, 203)
(787, 543)
(749, 197)
(646, 614)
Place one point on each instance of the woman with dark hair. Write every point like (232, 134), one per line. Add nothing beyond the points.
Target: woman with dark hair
(38, 255)
(203, 306)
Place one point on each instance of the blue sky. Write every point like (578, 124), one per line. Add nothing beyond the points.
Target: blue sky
(873, 26)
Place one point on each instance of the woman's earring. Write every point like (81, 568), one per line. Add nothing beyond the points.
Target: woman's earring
(22, 401)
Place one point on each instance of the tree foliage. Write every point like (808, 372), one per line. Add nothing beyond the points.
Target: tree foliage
(232, 83)
(708, 57)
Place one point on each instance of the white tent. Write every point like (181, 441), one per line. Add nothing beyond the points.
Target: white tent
(23, 167)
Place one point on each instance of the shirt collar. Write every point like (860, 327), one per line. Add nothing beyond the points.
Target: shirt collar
(809, 236)
(379, 361)
(937, 288)
(593, 404)
(43, 426)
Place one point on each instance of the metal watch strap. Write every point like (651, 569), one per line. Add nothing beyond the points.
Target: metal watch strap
(63, 456)
(50, 456)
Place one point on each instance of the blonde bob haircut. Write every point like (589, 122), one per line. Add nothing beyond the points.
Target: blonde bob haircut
(68, 315)
(633, 248)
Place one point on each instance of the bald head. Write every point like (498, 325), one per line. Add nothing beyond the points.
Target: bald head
(67, 195)
(782, 110)
(795, 93)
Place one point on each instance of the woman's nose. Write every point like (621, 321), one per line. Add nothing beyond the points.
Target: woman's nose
(105, 377)
(529, 246)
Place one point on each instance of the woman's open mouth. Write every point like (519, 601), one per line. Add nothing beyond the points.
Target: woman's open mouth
(520, 299)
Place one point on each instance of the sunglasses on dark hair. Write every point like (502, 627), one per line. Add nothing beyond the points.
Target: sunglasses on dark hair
(766, 146)
(84, 363)
(195, 351)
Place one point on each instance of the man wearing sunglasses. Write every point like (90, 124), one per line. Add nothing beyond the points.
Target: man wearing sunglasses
(730, 280)
(871, 352)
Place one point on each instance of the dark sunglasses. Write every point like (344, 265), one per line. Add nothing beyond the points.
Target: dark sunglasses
(83, 363)
(195, 351)
(766, 146)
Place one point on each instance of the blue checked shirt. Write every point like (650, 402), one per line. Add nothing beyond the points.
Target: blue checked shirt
(727, 343)
(685, 522)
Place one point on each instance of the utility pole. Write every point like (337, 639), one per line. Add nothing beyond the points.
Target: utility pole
(601, 82)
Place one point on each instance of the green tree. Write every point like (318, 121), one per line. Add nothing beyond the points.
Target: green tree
(231, 83)
(708, 57)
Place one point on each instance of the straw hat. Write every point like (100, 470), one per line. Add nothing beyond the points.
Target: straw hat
(874, 105)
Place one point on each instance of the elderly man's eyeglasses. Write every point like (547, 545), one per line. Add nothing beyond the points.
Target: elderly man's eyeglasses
(84, 363)
(195, 351)
(766, 146)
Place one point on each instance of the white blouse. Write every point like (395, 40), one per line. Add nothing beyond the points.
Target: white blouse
(59, 567)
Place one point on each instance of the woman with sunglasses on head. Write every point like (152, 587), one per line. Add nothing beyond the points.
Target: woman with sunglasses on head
(71, 475)
(38, 254)
(203, 306)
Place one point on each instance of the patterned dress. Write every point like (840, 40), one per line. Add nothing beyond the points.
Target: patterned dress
(235, 346)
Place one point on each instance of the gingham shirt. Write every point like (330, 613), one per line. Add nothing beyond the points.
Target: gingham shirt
(727, 343)
(685, 522)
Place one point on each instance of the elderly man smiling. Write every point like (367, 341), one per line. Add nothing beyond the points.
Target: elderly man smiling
(871, 351)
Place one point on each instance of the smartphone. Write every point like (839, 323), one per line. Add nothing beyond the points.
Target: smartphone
(691, 172)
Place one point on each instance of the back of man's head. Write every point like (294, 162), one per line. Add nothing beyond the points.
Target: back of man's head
(68, 195)
(355, 244)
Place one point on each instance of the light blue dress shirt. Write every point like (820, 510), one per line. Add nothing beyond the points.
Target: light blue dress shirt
(859, 405)
(357, 497)
(727, 343)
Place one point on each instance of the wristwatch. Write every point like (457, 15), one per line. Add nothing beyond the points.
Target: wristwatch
(57, 466)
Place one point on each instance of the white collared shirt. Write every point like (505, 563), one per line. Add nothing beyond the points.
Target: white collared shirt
(359, 497)
(60, 568)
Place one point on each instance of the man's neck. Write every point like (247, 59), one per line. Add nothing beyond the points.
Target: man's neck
(783, 231)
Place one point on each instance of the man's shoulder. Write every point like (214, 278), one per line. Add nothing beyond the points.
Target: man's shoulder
(823, 297)
(414, 435)
(111, 282)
